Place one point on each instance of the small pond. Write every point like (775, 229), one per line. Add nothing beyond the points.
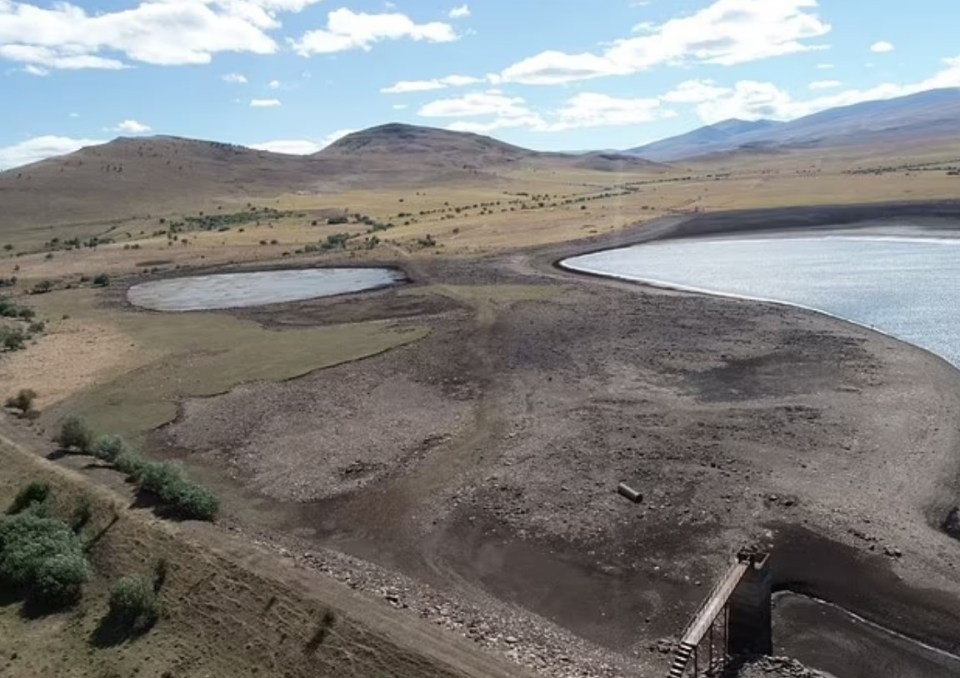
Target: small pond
(256, 288)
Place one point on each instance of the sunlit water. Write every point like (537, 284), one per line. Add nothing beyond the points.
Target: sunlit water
(906, 287)
(238, 290)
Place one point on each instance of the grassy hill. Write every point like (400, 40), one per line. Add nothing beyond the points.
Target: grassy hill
(228, 608)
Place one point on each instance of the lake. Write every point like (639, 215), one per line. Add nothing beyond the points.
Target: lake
(239, 290)
(906, 287)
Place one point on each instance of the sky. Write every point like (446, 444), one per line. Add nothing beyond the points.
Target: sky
(293, 75)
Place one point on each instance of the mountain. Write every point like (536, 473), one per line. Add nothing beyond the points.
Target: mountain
(707, 139)
(424, 145)
(139, 178)
(924, 117)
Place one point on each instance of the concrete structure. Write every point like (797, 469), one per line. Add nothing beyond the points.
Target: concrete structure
(733, 620)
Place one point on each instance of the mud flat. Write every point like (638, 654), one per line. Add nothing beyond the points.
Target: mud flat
(256, 288)
(537, 391)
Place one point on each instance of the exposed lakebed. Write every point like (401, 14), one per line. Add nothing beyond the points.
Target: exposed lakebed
(903, 286)
(256, 288)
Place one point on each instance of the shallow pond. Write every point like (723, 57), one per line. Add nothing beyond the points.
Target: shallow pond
(906, 287)
(240, 290)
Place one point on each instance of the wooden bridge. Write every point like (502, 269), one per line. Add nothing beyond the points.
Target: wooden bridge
(733, 620)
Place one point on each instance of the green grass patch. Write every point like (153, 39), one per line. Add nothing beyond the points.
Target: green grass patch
(203, 354)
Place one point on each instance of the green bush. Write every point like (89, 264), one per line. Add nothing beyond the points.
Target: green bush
(34, 493)
(75, 434)
(23, 401)
(130, 462)
(12, 338)
(109, 448)
(182, 497)
(133, 602)
(42, 557)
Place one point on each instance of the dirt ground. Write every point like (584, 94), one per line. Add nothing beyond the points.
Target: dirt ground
(473, 473)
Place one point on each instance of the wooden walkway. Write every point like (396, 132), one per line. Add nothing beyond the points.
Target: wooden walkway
(706, 615)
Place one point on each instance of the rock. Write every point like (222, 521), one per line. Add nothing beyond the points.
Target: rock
(511, 640)
(951, 525)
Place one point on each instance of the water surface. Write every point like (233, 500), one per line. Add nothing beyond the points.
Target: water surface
(906, 287)
(238, 290)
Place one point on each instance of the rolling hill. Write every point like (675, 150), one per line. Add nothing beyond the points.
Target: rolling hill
(917, 118)
(135, 179)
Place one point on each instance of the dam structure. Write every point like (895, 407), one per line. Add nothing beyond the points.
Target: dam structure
(734, 620)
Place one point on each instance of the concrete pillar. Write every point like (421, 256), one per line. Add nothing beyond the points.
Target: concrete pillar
(750, 631)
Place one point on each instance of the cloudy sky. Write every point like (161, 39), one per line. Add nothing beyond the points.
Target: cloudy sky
(291, 75)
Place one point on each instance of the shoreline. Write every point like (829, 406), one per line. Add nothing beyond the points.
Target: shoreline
(811, 223)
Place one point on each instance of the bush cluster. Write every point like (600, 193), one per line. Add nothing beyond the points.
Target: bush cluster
(23, 401)
(166, 482)
(40, 555)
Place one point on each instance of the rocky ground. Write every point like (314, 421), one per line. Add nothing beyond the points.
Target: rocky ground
(472, 477)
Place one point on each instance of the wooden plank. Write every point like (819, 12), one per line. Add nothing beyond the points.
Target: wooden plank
(714, 604)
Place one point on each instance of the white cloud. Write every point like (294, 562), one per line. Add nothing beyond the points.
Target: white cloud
(160, 32)
(235, 78)
(752, 100)
(694, 92)
(39, 148)
(585, 109)
(264, 103)
(39, 71)
(347, 30)
(74, 115)
(881, 47)
(825, 84)
(301, 146)
(491, 102)
(600, 110)
(824, 67)
(399, 107)
(405, 86)
(289, 146)
(131, 127)
(274, 84)
(727, 32)
(460, 12)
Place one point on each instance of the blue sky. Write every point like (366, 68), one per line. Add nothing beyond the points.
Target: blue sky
(291, 75)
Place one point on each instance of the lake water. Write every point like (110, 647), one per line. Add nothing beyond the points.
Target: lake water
(239, 290)
(906, 287)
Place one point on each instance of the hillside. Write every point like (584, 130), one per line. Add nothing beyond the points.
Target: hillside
(918, 118)
(707, 139)
(411, 143)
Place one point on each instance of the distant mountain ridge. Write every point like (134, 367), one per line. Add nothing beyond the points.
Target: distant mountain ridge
(927, 115)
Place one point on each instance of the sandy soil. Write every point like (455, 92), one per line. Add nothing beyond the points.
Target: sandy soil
(482, 461)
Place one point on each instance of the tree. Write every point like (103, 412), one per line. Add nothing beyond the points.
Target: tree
(75, 434)
(133, 602)
(23, 401)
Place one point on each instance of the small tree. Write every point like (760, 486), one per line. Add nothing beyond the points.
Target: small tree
(75, 434)
(34, 493)
(109, 448)
(23, 401)
(133, 602)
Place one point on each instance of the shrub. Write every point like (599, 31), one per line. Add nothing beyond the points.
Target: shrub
(182, 497)
(109, 448)
(134, 602)
(75, 434)
(102, 280)
(23, 401)
(12, 338)
(42, 557)
(42, 287)
(130, 462)
(34, 493)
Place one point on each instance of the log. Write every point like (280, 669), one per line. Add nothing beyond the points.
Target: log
(633, 495)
